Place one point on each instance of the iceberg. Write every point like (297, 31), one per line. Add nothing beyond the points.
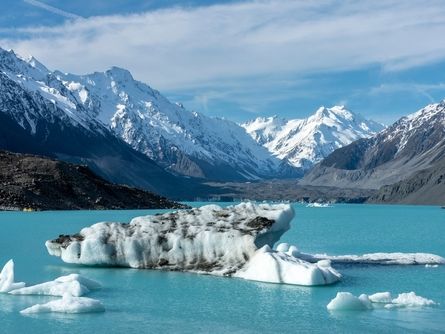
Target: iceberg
(410, 299)
(319, 205)
(73, 284)
(67, 304)
(209, 239)
(346, 301)
(281, 266)
(7, 278)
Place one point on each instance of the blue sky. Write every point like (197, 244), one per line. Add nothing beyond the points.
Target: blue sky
(243, 59)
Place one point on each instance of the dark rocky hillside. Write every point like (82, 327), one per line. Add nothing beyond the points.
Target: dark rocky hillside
(38, 183)
(424, 187)
(412, 144)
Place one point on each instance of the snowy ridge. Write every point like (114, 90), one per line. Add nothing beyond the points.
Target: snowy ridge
(407, 127)
(304, 142)
(186, 142)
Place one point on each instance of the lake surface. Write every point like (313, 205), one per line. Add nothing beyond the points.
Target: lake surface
(145, 301)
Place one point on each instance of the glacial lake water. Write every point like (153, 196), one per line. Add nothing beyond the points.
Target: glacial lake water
(146, 301)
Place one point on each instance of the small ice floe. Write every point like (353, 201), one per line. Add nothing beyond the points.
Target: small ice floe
(7, 278)
(67, 304)
(379, 258)
(74, 285)
(319, 205)
(431, 265)
(281, 266)
(346, 301)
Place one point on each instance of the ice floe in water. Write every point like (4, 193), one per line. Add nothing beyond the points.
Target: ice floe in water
(232, 241)
(67, 304)
(74, 285)
(378, 258)
(319, 205)
(346, 301)
(281, 266)
(7, 278)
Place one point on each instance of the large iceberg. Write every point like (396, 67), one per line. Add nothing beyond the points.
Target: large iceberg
(209, 239)
(67, 304)
(73, 284)
(7, 278)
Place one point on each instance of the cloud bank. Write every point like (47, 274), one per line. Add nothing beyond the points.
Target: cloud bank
(183, 47)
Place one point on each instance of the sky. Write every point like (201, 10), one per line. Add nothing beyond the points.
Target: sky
(244, 59)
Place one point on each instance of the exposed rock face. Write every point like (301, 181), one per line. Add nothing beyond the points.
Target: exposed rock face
(413, 143)
(39, 183)
(209, 239)
(424, 187)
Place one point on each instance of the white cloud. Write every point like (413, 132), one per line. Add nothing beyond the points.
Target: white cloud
(180, 48)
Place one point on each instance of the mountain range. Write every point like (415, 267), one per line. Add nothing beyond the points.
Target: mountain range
(405, 161)
(85, 118)
(305, 142)
(129, 133)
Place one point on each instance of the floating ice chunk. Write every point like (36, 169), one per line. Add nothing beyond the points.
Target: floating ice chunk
(74, 285)
(7, 278)
(283, 247)
(410, 299)
(272, 266)
(88, 283)
(381, 297)
(378, 258)
(208, 239)
(67, 304)
(431, 265)
(346, 301)
(319, 205)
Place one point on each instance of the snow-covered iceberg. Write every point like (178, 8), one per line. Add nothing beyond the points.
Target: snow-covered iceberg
(7, 278)
(209, 239)
(281, 266)
(67, 304)
(346, 301)
(73, 284)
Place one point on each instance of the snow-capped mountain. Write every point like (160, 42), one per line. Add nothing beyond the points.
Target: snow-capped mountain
(183, 141)
(411, 144)
(39, 115)
(304, 142)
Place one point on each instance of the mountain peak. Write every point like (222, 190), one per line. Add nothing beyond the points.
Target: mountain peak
(119, 73)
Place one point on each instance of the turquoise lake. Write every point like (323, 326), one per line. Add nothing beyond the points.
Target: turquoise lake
(146, 301)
